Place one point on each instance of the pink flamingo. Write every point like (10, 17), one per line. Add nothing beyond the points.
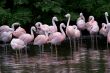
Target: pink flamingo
(17, 44)
(77, 34)
(6, 34)
(103, 30)
(93, 28)
(40, 40)
(81, 22)
(41, 29)
(69, 31)
(57, 37)
(19, 31)
(53, 28)
(28, 38)
(108, 25)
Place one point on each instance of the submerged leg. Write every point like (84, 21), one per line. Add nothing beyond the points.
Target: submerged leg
(51, 50)
(96, 43)
(74, 44)
(42, 49)
(26, 54)
(20, 55)
(56, 53)
(71, 50)
(16, 56)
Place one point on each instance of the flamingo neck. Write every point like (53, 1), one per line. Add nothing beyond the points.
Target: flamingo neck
(32, 33)
(13, 25)
(106, 19)
(62, 31)
(54, 24)
(83, 17)
(68, 21)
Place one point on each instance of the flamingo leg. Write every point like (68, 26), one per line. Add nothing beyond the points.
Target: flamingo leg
(81, 41)
(6, 49)
(20, 55)
(51, 50)
(71, 50)
(16, 56)
(56, 53)
(78, 44)
(96, 43)
(42, 49)
(93, 42)
(107, 44)
(26, 54)
(74, 44)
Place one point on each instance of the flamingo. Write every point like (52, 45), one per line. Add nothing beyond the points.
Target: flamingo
(40, 40)
(69, 30)
(28, 38)
(41, 28)
(6, 34)
(77, 34)
(81, 22)
(53, 28)
(19, 31)
(57, 37)
(108, 24)
(17, 44)
(93, 28)
(103, 30)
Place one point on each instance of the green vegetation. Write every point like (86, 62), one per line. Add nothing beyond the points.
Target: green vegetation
(31, 11)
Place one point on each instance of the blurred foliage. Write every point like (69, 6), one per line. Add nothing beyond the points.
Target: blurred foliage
(31, 11)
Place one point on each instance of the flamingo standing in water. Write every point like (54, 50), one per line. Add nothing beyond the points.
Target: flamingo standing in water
(108, 24)
(6, 34)
(93, 28)
(57, 37)
(69, 31)
(17, 44)
(28, 38)
(81, 23)
(77, 34)
(40, 40)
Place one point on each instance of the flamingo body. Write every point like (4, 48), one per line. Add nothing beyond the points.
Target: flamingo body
(19, 31)
(17, 44)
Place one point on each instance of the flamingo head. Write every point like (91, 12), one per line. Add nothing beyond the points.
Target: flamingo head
(103, 24)
(67, 15)
(81, 14)
(91, 18)
(106, 13)
(55, 18)
(38, 24)
(74, 27)
(33, 28)
(63, 25)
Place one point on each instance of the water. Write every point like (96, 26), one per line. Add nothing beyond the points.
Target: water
(85, 59)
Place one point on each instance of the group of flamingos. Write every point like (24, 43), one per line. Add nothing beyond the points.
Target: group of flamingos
(50, 34)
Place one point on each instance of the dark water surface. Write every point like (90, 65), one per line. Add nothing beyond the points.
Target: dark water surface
(84, 59)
